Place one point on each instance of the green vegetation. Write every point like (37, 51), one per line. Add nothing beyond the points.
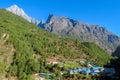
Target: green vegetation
(99, 55)
(34, 46)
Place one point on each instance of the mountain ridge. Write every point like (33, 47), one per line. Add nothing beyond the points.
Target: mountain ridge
(86, 32)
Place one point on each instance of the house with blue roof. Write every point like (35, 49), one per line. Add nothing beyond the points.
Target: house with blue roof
(86, 71)
(93, 73)
(70, 71)
(77, 70)
(95, 70)
(43, 75)
(96, 67)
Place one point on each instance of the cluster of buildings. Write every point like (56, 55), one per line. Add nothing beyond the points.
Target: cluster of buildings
(93, 70)
(90, 70)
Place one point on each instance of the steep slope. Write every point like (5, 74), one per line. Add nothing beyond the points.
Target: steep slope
(85, 32)
(117, 52)
(6, 54)
(20, 12)
(31, 46)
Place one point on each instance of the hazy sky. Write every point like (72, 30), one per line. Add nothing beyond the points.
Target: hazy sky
(102, 12)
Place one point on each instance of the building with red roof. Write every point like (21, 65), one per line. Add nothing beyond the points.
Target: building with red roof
(52, 61)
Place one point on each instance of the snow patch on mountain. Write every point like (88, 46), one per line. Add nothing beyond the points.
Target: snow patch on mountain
(20, 12)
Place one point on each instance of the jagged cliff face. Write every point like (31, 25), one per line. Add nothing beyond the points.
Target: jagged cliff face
(20, 12)
(86, 32)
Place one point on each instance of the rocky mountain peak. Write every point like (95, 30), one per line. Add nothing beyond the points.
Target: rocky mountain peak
(51, 18)
(85, 32)
(14, 7)
(20, 12)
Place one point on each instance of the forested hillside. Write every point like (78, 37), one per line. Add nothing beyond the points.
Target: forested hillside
(25, 48)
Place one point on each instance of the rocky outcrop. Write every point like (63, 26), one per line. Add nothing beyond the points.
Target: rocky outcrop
(86, 32)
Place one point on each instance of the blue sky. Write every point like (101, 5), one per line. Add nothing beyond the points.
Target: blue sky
(102, 12)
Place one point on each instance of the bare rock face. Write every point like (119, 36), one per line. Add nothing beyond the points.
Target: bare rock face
(86, 32)
(20, 12)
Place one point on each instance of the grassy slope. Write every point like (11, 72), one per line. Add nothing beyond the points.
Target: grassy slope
(32, 44)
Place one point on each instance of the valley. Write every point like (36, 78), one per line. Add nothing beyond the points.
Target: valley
(28, 51)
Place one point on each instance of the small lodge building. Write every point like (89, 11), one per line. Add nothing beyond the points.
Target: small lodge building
(52, 61)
